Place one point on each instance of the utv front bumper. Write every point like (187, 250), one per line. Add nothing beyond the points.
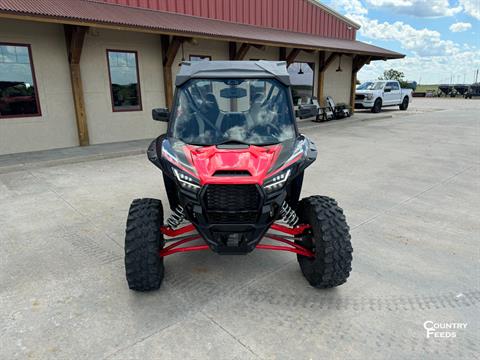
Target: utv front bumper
(232, 218)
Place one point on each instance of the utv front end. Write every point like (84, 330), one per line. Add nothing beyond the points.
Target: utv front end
(233, 164)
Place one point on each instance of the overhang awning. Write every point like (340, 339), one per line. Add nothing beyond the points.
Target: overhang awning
(91, 13)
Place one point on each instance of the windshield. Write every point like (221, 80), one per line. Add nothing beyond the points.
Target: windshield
(217, 111)
(364, 86)
(376, 85)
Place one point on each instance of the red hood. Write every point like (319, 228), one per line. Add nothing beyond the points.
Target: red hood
(256, 160)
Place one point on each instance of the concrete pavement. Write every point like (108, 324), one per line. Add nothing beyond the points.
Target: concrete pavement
(409, 185)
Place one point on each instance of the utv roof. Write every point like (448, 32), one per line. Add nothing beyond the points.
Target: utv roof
(233, 69)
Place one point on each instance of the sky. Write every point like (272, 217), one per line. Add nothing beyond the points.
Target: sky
(440, 38)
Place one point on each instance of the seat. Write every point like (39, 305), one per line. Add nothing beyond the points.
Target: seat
(340, 111)
(232, 120)
(308, 109)
(210, 108)
(255, 108)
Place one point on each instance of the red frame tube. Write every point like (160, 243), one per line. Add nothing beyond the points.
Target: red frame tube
(304, 252)
(297, 230)
(167, 230)
(292, 247)
(298, 249)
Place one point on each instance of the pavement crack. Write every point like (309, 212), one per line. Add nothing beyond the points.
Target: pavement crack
(140, 340)
(248, 348)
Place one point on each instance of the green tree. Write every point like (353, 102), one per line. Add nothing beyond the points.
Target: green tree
(392, 74)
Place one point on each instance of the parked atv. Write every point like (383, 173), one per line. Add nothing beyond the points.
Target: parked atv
(233, 163)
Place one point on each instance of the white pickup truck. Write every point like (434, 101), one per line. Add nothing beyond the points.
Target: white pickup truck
(376, 94)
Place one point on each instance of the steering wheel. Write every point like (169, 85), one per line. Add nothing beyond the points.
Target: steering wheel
(266, 129)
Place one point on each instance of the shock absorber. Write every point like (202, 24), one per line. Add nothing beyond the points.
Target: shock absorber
(288, 214)
(177, 217)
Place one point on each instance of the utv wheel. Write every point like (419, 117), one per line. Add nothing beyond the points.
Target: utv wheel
(377, 106)
(404, 105)
(329, 239)
(143, 241)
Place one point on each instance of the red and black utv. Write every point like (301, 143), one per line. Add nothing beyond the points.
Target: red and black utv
(233, 163)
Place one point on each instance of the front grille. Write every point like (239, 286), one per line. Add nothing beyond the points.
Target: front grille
(359, 97)
(232, 203)
(228, 218)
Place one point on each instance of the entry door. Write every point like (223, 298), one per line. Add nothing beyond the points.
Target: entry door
(392, 97)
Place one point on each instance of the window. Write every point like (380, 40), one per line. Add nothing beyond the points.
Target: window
(200, 58)
(393, 85)
(124, 80)
(302, 78)
(365, 85)
(18, 88)
(376, 85)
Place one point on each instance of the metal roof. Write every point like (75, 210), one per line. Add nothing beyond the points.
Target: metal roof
(233, 69)
(334, 13)
(90, 13)
(306, 16)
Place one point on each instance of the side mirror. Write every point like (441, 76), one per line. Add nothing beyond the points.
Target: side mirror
(387, 89)
(160, 114)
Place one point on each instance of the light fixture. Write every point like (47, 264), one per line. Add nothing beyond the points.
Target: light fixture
(277, 182)
(339, 64)
(300, 72)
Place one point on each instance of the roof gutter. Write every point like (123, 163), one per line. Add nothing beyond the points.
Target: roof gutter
(114, 26)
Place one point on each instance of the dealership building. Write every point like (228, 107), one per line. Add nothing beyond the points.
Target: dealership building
(80, 72)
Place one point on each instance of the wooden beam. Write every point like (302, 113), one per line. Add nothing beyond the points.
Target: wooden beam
(168, 85)
(358, 61)
(353, 87)
(165, 42)
(75, 37)
(329, 61)
(259, 47)
(167, 72)
(293, 54)
(169, 52)
(172, 50)
(242, 52)
(282, 54)
(232, 50)
(321, 78)
(353, 82)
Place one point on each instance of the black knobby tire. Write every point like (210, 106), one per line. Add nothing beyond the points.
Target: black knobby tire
(404, 105)
(329, 239)
(377, 106)
(143, 241)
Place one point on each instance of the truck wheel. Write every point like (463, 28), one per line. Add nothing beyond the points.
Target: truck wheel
(328, 238)
(143, 241)
(404, 105)
(377, 106)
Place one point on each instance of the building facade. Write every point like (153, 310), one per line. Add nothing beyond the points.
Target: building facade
(79, 72)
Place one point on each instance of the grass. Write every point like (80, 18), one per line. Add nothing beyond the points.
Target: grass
(424, 88)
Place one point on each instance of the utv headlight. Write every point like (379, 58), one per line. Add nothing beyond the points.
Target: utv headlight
(369, 96)
(186, 181)
(277, 182)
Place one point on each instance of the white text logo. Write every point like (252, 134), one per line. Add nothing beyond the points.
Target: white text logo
(442, 329)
